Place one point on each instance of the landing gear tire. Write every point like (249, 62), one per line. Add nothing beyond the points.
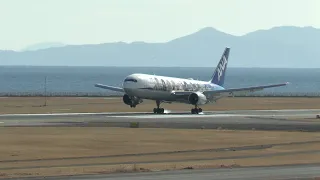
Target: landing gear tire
(158, 110)
(196, 110)
(132, 106)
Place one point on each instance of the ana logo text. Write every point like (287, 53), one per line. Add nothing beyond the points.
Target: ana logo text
(222, 67)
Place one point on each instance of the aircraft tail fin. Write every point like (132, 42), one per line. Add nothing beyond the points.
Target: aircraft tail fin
(220, 71)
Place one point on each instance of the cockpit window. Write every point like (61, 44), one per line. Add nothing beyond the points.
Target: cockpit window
(130, 79)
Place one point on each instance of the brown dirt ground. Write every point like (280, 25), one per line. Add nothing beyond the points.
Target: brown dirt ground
(18, 143)
(72, 104)
(55, 142)
(145, 167)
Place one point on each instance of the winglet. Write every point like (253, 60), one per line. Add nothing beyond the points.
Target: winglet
(220, 71)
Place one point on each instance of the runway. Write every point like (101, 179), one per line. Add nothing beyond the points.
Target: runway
(289, 120)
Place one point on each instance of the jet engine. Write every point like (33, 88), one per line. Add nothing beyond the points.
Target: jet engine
(197, 98)
(131, 100)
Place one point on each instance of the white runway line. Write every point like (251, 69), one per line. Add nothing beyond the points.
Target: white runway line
(179, 116)
(165, 116)
(167, 112)
(68, 114)
(284, 110)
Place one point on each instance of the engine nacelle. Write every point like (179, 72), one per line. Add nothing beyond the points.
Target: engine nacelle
(197, 98)
(126, 99)
(131, 100)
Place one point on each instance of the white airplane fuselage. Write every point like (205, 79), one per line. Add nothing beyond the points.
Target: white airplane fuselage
(155, 87)
(137, 87)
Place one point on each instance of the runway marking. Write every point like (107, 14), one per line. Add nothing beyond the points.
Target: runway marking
(164, 116)
(283, 110)
(180, 116)
(69, 114)
(110, 113)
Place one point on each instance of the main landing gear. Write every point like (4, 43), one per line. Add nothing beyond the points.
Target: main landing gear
(158, 110)
(196, 110)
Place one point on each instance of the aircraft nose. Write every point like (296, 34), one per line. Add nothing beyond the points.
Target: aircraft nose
(131, 82)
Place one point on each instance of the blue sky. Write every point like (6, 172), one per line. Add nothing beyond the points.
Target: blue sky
(30, 22)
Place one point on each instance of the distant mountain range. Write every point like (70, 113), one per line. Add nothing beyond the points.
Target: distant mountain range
(43, 46)
(281, 47)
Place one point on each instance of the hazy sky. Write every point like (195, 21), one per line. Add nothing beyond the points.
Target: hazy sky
(27, 22)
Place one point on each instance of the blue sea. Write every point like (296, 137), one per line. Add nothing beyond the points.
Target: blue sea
(26, 79)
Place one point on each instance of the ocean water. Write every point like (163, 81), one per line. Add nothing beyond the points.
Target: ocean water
(20, 79)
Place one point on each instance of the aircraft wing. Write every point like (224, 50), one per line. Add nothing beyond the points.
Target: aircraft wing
(230, 92)
(118, 89)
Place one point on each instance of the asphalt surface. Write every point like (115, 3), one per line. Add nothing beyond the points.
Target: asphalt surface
(302, 172)
(288, 120)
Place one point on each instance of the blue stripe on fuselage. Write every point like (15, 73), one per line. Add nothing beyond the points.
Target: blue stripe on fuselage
(148, 88)
(208, 87)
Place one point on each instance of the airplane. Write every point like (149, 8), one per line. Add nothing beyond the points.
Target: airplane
(163, 89)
